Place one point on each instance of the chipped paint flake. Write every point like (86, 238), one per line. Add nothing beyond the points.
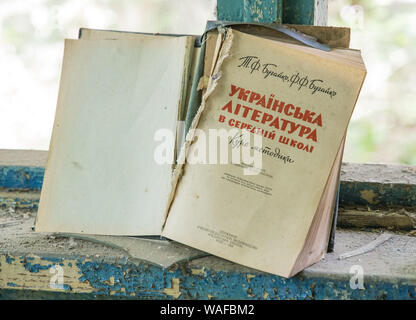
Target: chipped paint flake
(198, 272)
(249, 277)
(369, 196)
(174, 290)
(32, 272)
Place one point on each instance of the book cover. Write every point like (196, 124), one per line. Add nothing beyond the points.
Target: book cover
(299, 101)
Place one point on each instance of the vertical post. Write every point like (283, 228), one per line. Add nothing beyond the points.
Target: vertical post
(310, 12)
(263, 11)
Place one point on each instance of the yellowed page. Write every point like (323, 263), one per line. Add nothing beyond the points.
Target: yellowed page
(101, 176)
(316, 244)
(188, 66)
(262, 221)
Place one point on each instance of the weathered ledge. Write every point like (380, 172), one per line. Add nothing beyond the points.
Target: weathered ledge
(98, 269)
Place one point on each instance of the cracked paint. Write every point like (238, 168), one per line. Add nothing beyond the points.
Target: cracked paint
(146, 281)
(173, 291)
(369, 195)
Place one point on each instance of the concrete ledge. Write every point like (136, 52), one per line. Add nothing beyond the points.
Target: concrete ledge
(92, 270)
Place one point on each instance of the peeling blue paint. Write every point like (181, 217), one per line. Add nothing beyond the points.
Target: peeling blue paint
(12, 284)
(67, 287)
(9, 259)
(55, 260)
(20, 177)
(125, 277)
(150, 281)
(27, 258)
(34, 268)
(19, 203)
(146, 281)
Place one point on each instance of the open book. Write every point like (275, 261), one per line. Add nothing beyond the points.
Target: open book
(118, 132)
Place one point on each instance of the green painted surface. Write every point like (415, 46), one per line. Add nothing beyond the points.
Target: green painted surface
(298, 11)
(267, 11)
(264, 11)
(377, 195)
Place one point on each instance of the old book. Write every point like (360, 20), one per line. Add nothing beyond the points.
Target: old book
(118, 89)
(273, 221)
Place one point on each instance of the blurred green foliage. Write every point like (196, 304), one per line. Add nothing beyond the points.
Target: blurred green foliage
(383, 127)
